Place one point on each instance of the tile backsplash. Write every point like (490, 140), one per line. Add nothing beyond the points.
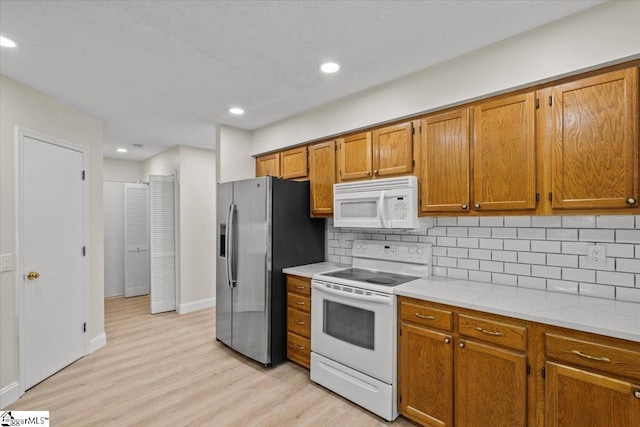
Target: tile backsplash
(541, 252)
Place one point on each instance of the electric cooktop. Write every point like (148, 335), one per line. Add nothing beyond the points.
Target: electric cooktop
(382, 278)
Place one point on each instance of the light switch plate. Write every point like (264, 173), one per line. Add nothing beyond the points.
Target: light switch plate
(6, 263)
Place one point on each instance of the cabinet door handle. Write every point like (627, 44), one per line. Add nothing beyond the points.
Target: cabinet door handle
(465, 207)
(461, 345)
(637, 394)
(368, 173)
(298, 346)
(422, 316)
(447, 340)
(299, 287)
(594, 358)
(299, 302)
(493, 333)
(375, 172)
(477, 205)
(297, 322)
(631, 201)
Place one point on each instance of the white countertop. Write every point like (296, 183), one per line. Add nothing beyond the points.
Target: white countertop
(612, 318)
(310, 269)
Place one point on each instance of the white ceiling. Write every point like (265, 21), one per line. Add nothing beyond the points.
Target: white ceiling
(163, 73)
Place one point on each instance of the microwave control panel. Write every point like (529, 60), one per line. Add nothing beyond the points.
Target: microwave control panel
(392, 251)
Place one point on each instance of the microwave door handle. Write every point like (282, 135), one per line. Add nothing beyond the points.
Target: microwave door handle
(381, 213)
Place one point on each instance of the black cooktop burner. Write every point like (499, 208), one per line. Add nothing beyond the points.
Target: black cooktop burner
(371, 276)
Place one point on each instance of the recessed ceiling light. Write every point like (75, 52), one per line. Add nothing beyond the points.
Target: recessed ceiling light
(236, 110)
(5, 42)
(121, 150)
(329, 67)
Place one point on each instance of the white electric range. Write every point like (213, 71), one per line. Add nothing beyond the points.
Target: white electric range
(353, 322)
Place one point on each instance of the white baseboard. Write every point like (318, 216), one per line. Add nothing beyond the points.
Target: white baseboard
(196, 305)
(97, 342)
(9, 394)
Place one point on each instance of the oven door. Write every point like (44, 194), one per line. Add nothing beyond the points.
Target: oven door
(354, 327)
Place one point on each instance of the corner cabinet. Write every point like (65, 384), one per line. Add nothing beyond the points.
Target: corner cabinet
(322, 176)
(299, 320)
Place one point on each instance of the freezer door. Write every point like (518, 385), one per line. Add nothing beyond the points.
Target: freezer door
(251, 270)
(223, 290)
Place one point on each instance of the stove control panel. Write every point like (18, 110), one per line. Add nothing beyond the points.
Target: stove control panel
(419, 253)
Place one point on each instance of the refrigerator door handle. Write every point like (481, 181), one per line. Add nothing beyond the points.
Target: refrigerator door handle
(230, 244)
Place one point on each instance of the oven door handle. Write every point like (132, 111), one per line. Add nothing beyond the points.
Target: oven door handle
(380, 299)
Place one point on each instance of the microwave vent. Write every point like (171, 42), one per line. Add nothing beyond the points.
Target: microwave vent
(375, 185)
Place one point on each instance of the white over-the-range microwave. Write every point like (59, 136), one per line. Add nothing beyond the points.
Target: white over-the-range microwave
(379, 203)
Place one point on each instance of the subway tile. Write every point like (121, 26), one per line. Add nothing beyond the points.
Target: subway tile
(532, 233)
(446, 241)
(504, 233)
(479, 232)
(504, 279)
(545, 246)
(546, 271)
(518, 269)
(346, 260)
(637, 251)
(426, 222)
(615, 221)
(439, 251)
(468, 242)
(446, 221)
(598, 291)
(333, 258)
(458, 252)
(492, 266)
(532, 282)
(364, 236)
(619, 250)
(444, 261)
(491, 221)
(427, 239)
(575, 248)
(596, 235)
(638, 221)
(579, 274)
(562, 260)
(340, 251)
(469, 264)
(562, 234)
(439, 271)
(628, 236)
(394, 237)
(583, 263)
(546, 221)
(457, 231)
(563, 286)
(480, 276)
(468, 221)
(517, 221)
(480, 254)
(409, 238)
(517, 245)
(616, 279)
(580, 221)
(333, 243)
(628, 265)
(457, 273)
(628, 294)
(490, 244)
(506, 256)
(532, 258)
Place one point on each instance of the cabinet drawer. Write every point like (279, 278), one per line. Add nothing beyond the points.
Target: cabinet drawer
(425, 315)
(493, 331)
(299, 302)
(298, 349)
(299, 322)
(299, 285)
(602, 357)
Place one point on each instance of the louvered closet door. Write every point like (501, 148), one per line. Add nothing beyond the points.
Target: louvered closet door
(163, 243)
(136, 237)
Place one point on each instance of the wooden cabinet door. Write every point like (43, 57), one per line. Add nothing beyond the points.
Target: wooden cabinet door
(491, 386)
(393, 150)
(293, 163)
(445, 162)
(354, 157)
(578, 398)
(322, 175)
(268, 165)
(595, 142)
(504, 154)
(426, 376)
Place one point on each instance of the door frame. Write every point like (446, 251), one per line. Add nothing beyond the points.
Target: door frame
(20, 134)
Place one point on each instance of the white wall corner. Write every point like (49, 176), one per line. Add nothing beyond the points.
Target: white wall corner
(9, 394)
(196, 305)
(97, 342)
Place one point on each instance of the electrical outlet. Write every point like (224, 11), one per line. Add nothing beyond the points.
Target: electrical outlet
(596, 256)
(7, 262)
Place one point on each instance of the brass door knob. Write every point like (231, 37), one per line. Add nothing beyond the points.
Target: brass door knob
(32, 275)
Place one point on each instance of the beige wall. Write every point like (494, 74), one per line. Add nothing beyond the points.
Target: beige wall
(234, 146)
(122, 170)
(24, 107)
(597, 36)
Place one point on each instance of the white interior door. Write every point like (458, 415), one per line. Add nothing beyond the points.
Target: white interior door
(52, 262)
(136, 237)
(163, 242)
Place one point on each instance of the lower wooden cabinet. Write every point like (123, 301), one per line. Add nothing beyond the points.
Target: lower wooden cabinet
(299, 320)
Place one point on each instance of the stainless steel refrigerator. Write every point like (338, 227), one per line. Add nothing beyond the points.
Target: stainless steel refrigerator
(264, 226)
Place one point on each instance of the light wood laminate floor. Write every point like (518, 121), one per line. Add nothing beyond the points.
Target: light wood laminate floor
(167, 369)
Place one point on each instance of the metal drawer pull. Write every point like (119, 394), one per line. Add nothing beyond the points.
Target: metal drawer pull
(595, 358)
(298, 346)
(299, 287)
(422, 316)
(299, 302)
(494, 333)
(297, 322)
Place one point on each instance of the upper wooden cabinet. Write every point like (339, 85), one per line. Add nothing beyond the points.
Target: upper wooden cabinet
(445, 145)
(268, 165)
(293, 163)
(380, 153)
(595, 142)
(322, 175)
(504, 154)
